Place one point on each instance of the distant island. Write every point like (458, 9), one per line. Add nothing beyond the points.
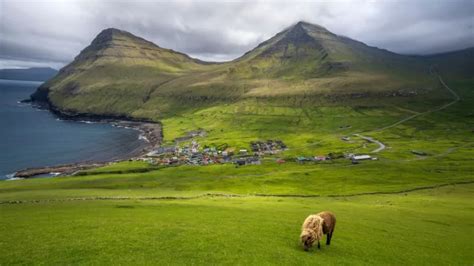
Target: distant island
(28, 74)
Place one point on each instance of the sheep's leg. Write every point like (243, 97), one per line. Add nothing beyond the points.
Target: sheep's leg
(328, 239)
(319, 245)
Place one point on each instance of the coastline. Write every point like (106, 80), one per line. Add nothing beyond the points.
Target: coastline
(149, 131)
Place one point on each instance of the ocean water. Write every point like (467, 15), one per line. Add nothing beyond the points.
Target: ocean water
(30, 137)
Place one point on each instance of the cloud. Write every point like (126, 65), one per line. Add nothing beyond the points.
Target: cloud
(53, 32)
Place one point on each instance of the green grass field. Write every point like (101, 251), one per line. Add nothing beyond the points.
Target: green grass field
(419, 228)
(401, 209)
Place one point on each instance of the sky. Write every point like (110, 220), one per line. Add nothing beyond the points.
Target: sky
(52, 32)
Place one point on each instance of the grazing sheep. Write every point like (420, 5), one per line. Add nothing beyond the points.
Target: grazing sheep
(315, 226)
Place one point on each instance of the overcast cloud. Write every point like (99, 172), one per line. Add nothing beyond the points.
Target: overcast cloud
(53, 32)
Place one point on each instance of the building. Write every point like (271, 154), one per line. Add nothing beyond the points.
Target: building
(320, 158)
(301, 159)
(361, 157)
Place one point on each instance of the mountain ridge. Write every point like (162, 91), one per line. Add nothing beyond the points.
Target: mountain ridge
(107, 36)
(125, 75)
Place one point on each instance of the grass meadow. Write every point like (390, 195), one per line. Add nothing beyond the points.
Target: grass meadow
(430, 227)
(401, 209)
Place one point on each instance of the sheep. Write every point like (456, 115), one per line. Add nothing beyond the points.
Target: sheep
(315, 226)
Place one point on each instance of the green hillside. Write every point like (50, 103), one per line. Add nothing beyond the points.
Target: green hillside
(320, 94)
(121, 74)
(115, 75)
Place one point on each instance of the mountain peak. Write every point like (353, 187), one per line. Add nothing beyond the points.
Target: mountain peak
(114, 42)
(297, 34)
(125, 48)
(302, 23)
(296, 41)
(111, 30)
(110, 34)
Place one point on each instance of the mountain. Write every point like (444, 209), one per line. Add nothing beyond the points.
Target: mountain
(29, 74)
(310, 51)
(120, 74)
(117, 68)
(121, 47)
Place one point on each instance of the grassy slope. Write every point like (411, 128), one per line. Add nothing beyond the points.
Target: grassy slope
(422, 228)
(125, 75)
(426, 227)
(117, 74)
(432, 226)
(301, 66)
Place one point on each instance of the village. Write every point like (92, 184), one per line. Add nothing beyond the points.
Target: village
(195, 154)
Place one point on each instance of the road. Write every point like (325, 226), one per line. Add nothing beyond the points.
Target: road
(456, 98)
(369, 139)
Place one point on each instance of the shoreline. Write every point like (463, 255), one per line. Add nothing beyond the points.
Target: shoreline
(150, 132)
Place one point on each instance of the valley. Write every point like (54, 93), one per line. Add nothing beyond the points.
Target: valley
(318, 94)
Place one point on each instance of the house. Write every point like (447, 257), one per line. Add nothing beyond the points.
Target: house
(320, 158)
(248, 160)
(301, 159)
(361, 157)
(226, 159)
(253, 160)
(267, 147)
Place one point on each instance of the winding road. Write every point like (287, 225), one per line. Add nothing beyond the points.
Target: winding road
(369, 139)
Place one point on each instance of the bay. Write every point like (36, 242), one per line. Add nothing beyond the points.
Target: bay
(30, 137)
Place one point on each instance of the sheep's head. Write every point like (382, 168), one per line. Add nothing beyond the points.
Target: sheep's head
(308, 237)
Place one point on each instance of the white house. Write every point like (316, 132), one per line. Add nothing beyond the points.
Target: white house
(361, 157)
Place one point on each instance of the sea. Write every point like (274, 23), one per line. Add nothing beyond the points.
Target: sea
(31, 137)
